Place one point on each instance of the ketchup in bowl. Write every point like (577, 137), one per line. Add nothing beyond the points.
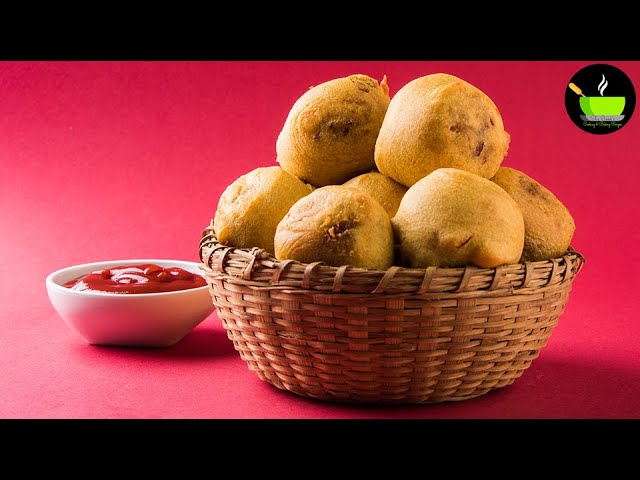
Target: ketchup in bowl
(144, 278)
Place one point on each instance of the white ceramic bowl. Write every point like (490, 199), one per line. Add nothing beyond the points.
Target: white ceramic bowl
(140, 320)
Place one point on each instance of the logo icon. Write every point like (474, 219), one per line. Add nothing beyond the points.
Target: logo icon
(600, 99)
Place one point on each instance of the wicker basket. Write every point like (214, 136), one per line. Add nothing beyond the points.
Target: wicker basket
(396, 336)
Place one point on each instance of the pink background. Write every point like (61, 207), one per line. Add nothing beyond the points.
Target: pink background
(114, 160)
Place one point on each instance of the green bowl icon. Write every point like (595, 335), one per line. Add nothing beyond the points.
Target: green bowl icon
(602, 105)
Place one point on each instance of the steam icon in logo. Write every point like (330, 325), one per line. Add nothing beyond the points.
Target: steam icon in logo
(600, 99)
(606, 109)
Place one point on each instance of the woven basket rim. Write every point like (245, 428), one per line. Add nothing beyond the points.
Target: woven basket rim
(257, 267)
(386, 336)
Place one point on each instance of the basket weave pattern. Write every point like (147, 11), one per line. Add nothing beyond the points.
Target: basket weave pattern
(396, 336)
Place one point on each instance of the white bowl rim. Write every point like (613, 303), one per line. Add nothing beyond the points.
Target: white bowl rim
(50, 283)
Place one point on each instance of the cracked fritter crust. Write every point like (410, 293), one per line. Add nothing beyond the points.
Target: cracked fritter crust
(453, 218)
(250, 208)
(339, 226)
(330, 133)
(440, 121)
(385, 191)
(548, 225)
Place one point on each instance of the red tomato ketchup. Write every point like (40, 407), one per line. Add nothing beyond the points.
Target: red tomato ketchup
(145, 278)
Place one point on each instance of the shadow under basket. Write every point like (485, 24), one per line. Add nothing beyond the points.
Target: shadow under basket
(404, 335)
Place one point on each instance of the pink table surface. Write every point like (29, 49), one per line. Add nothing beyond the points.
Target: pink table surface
(115, 160)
